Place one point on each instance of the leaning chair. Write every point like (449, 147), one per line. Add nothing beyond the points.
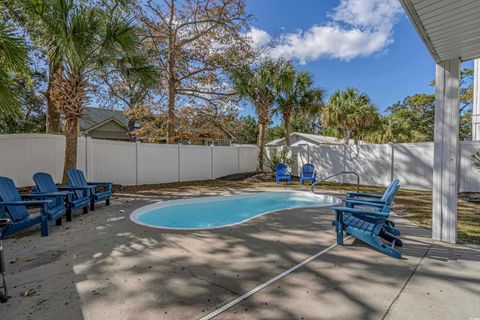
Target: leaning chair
(367, 226)
(14, 207)
(81, 199)
(308, 173)
(76, 178)
(282, 174)
(377, 201)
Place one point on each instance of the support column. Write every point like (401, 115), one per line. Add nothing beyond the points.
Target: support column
(476, 101)
(446, 151)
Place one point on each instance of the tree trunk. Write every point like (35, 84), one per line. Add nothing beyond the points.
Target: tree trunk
(171, 110)
(131, 128)
(286, 120)
(53, 115)
(261, 145)
(71, 134)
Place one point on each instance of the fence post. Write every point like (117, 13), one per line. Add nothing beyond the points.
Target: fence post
(86, 156)
(211, 161)
(344, 161)
(392, 162)
(238, 159)
(136, 163)
(308, 153)
(89, 164)
(178, 161)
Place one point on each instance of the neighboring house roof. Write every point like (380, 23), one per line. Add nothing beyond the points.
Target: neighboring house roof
(314, 138)
(93, 118)
(276, 142)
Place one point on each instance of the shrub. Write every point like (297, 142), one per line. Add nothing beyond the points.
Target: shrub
(280, 156)
(476, 159)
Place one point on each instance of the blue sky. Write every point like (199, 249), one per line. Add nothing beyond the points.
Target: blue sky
(391, 62)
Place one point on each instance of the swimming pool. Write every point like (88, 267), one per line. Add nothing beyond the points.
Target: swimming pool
(222, 211)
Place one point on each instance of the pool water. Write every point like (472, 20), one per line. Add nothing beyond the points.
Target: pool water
(216, 212)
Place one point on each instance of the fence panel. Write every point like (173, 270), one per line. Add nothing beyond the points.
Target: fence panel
(157, 163)
(225, 161)
(195, 163)
(469, 175)
(373, 163)
(248, 158)
(22, 155)
(302, 156)
(112, 161)
(413, 165)
(328, 160)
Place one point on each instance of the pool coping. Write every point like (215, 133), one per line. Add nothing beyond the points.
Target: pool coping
(138, 212)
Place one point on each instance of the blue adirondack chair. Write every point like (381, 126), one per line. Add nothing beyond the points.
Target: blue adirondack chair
(45, 184)
(376, 202)
(308, 173)
(282, 174)
(367, 226)
(14, 207)
(76, 178)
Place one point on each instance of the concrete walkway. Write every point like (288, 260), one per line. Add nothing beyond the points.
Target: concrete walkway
(92, 269)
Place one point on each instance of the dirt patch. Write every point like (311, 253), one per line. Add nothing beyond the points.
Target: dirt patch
(239, 176)
(470, 196)
(36, 260)
(261, 177)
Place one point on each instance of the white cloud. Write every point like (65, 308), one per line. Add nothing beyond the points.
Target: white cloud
(259, 37)
(356, 28)
(370, 14)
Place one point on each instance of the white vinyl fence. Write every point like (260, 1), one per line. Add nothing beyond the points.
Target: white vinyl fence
(378, 164)
(127, 163)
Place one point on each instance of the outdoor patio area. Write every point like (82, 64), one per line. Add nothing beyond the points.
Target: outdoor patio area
(239, 159)
(94, 269)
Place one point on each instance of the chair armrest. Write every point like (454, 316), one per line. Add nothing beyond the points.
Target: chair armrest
(368, 203)
(50, 195)
(364, 195)
(76, 187)
(24, 203)
(106, 185)
(361, 211)
(89, 189)
(45, 194)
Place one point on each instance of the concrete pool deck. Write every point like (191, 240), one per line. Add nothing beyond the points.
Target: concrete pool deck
(94, 269)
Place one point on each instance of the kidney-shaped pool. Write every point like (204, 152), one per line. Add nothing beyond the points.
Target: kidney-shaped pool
(222, 211)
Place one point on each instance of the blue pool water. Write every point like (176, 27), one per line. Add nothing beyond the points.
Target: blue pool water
(215, 212)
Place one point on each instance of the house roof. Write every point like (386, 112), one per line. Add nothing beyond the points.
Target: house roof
(312, 137)
(94, 117)
(448, 28)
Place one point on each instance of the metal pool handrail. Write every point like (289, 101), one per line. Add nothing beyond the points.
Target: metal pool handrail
(337, 174)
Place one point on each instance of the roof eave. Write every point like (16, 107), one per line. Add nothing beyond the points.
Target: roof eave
(97, 125)
(417, 23)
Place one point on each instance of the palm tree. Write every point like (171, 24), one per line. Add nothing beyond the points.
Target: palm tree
(295, 95)
(44, 19)
(13, 58)
(350, 115)
(87, 40)
(257, 84)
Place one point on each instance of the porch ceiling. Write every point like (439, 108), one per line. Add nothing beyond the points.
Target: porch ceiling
(449, 28)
